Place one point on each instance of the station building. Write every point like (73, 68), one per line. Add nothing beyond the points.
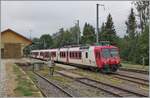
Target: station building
(12, 44)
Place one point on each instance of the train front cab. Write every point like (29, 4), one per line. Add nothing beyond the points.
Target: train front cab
(107, 59)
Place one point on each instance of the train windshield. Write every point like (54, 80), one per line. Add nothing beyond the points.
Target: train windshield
(114, 52)
(106, 53)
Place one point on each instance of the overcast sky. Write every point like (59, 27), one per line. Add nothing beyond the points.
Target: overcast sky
(40, 17)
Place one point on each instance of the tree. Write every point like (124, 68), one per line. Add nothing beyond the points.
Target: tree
(57, 38)
(102, 32)
(67, 38)
(143, 12)
(144, 44)
(34, 46)
(88, 34)
(131, 25)
(132, 37)
(108, 31)
(143, 40)
(46, 41)
(75, 34)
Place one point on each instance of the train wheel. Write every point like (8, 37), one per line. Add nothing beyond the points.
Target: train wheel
(114, 68)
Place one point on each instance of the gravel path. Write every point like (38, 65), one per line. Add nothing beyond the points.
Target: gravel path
(2, 79)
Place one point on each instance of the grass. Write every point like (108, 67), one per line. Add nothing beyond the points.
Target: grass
(24, 86)
(134, 66)
(63, 80)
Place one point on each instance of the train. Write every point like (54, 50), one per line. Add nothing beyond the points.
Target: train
(103, 57)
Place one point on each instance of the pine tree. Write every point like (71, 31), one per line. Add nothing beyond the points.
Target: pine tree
(143, 12)
(132, 37)
(143, 40)
(46, 41)
(88, 34)
(131, 25)
(108, 32)
(101, 33)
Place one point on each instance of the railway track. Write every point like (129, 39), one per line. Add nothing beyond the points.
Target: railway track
(133, 75)
(114, 90)
(134, 80)
(57, 91)
(135, 70)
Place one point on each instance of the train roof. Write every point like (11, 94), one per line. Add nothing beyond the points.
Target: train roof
(75, 48)
(108, 46)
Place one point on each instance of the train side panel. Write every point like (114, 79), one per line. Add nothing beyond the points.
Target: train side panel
(75, 55)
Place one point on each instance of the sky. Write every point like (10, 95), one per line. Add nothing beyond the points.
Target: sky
(34, 18)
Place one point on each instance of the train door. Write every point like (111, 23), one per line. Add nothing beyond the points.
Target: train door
(86, 57)
(97, 57)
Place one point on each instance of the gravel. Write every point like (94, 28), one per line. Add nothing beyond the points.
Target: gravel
(49, 90)
(2, 79)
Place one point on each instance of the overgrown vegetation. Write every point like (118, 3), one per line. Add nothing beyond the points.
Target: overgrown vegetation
(134, 46)
(24, 86)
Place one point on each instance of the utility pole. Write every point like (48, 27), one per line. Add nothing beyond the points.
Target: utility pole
(97, 21)
(78, 33)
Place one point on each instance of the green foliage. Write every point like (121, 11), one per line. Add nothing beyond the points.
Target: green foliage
(24, 86)
(75, 34)
(131, 25)
(66, 37)
(57, 38)
(108, 31)
(143, 12)
(131, 37)
(89, 36)
(135, 45)
(144, 44)
(46, 41)
(35, 45)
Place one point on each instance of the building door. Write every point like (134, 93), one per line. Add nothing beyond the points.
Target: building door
(12, 50)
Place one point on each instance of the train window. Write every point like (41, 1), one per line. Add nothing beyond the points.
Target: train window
(76, 56)
(60, 54)
(86, 54)
(54, 54)
(70, 54)
(79, 55)
(106, 53)
(64, 54)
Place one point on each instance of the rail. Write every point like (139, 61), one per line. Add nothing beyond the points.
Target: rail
(58, 87)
